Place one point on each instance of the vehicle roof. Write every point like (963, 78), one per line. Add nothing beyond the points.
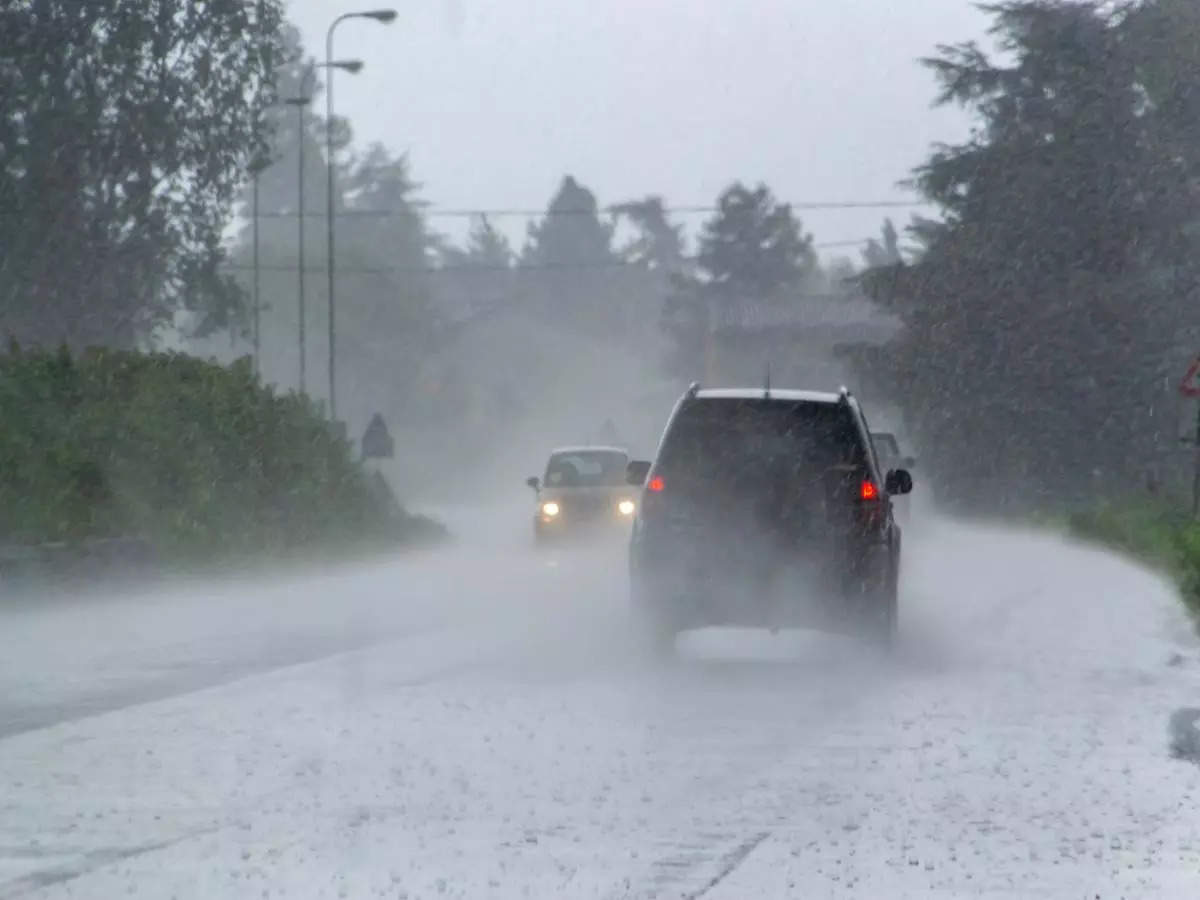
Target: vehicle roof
(589, 448)
(774, 394)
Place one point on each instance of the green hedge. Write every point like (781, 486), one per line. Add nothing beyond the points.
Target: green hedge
(199, 459)
(1164, 536)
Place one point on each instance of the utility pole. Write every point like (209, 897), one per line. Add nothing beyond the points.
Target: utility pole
(307, 81)
(383, 16)
(301, 103)
(255, 264)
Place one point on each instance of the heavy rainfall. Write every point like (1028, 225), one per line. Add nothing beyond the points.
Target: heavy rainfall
(645, 449)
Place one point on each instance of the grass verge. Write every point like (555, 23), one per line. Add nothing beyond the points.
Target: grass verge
(1163, 536)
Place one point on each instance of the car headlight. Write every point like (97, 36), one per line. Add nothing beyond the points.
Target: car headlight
(550, 509)
(626, 507)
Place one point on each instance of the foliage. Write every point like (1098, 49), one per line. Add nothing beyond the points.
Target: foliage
(1164, 536)
(886, 250)
(754, 246)
(571, 273)
(386, 310)
(659, 243)
(486, 249)
(199, 459)
(1046, 312)
(752, 249)
(127, 126)
(571, 234)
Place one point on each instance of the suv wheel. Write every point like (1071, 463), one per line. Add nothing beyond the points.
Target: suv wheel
(887, 622)
(874, 601)
(659, 637)
(656, 631)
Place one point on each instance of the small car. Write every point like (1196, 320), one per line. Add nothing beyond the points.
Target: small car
(583, 489)
(766, 508)
(887, 448)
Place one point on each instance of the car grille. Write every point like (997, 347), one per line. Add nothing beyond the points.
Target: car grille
(585, 507)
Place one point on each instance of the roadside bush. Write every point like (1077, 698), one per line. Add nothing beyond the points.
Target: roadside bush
(200, 459)
(1164, 536)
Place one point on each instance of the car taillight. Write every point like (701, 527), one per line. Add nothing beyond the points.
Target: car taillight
(656, 484)
(868, 491)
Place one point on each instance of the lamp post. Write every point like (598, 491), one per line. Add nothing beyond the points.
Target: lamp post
(301, 103)
(383, 16)
(257, 279)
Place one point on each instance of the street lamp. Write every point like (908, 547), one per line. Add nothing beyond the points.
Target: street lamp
(255, 172)
(301, 103)
(383, 16)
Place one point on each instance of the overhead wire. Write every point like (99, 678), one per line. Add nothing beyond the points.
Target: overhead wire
(435, 212)
(494, 267)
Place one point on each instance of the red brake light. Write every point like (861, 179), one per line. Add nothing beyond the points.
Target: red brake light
(869, 491)
(656, 484)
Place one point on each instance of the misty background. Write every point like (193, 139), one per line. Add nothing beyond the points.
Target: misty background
(982, 219)
(640, 107)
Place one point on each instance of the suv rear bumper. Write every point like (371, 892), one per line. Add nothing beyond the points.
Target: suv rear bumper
(829, 591)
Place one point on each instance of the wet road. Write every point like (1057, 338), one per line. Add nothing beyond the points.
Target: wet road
(473, 723)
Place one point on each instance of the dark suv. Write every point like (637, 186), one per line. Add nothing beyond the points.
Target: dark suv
(766, 508)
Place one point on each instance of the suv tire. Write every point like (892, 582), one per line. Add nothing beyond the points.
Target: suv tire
(873, 599)
(656, 630)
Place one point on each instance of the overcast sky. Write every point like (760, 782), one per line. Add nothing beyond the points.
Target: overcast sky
(494, 100)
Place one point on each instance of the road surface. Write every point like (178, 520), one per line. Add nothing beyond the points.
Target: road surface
(471, 723)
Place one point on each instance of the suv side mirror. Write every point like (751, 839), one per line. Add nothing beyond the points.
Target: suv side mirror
(898, 482)
(533, 482)
(636, 472)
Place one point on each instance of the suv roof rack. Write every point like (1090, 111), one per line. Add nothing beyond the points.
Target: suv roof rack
(693, 389)
(844, 394)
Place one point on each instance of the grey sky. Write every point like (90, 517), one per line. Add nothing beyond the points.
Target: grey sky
(494, 100)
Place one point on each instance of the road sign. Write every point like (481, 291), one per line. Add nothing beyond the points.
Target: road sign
(377, 443)
(1190, 386)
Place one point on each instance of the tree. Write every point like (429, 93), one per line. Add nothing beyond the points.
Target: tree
(127, 128)
(1044, 314)
(752, 250)
(659, 243)
(386, 311)
(754, 247)
(886, 250)
(571, 234)
(278, 198)
(486, 249)
(571, 273)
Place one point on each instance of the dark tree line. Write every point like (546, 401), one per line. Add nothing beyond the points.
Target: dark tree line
(125, 132)
(1050, 312)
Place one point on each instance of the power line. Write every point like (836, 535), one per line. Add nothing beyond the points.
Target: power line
(446, 213)
(516, 268)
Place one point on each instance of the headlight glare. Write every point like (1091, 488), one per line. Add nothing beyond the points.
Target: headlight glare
(626, 507)
(550, 509)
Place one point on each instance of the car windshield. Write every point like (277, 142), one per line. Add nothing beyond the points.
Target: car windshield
(586, 468)
(754, 440)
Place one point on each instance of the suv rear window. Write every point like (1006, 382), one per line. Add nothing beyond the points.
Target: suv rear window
(733, 440)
